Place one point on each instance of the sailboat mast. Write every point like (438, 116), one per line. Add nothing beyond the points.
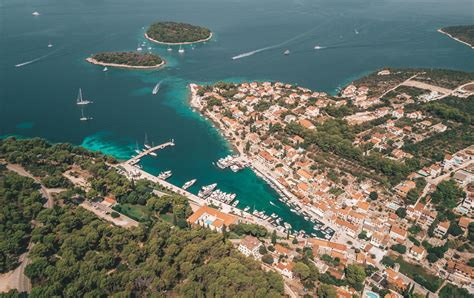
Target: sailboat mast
(79, 96)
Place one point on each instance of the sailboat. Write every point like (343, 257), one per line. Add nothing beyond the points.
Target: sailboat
(136, 148)
(80, 100)
(146, 142)
(181, 50)
(356, 31)
(84, 118)
(156, 89)
(105, 69)
(153, 153)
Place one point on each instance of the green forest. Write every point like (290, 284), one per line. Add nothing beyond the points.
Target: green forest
(76, 254)
(172, 32)
(20, 202)
(128, 58)
(464, 33)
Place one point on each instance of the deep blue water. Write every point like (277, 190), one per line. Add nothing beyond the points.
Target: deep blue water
(38, 99)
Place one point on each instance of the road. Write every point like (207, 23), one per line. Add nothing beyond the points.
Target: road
(16, 279)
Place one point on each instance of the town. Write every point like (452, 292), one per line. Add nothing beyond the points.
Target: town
(362, 163)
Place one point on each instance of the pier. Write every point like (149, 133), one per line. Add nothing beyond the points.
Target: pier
(132, 172)
(144, 153)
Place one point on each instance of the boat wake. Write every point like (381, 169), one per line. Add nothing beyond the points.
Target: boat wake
(247, 54)
(35, 60)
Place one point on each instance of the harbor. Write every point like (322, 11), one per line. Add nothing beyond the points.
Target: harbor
(228, 202)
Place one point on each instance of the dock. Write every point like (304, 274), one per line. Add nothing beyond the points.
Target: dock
(135, 159)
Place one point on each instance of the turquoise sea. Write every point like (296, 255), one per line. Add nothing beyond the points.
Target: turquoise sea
(356, 36)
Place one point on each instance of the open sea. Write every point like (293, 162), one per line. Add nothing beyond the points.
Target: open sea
(38, 98)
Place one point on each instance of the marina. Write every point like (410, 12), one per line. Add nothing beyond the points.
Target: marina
(233, 162)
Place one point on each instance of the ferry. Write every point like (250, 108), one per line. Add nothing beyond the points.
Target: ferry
(189, 184)
(165, 175)
(206, 190)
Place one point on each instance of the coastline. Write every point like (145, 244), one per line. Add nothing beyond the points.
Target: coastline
(455, 38)
(177, 43)
(95, 62)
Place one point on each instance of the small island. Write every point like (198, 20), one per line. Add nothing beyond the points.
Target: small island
(463, 34)
(173, 33)
(127, 60)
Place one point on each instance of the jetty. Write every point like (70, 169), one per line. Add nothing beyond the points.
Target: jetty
(136, 159)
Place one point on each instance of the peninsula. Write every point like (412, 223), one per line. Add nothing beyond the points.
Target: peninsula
(127, 60)
(172, 33)
(463, 34)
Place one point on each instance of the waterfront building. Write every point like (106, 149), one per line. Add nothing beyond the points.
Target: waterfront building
(212, 218)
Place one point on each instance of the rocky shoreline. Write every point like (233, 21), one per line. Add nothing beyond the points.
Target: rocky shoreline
(96, 62)
(177, 43)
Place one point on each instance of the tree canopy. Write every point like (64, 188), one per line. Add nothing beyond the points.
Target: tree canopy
(172, 32)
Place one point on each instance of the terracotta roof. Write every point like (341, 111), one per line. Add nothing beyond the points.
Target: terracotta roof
(250, 242)
(226, 219)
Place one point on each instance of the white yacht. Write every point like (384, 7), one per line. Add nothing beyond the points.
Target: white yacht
(50, 45)
(105, 69)
(35, 13)
(156, 88)
(139, 48)
(165, 175)
(170, 49)
(189, 184)
(181, 50)
(287, 52)
(80, 100)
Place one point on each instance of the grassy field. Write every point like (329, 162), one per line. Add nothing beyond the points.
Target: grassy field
(137, 212)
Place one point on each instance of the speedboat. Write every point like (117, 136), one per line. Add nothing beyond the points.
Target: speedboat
(50, 45)
(35, 13)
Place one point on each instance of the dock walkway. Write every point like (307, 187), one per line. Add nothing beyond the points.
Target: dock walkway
(135, 159)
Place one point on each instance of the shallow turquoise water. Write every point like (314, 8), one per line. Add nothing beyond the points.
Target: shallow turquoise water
(38, 99)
